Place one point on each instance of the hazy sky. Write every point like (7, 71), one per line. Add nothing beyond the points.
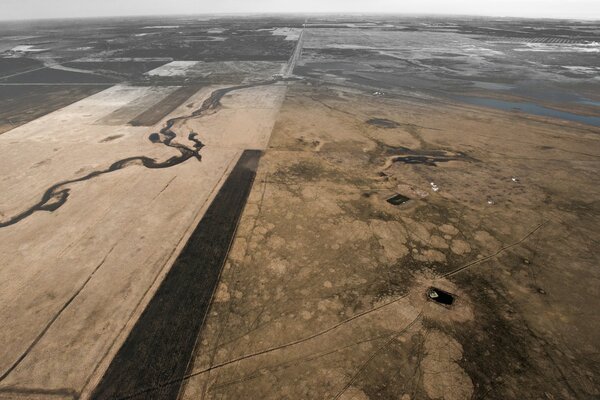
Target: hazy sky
(24, 9)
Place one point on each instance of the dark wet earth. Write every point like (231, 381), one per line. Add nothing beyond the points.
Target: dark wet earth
(540, 67)
(397, 199)
(383, 123)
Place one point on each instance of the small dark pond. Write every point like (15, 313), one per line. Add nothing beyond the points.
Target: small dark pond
(440, 296)
(397, 199)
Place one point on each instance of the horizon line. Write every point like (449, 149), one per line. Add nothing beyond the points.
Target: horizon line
(294, 13)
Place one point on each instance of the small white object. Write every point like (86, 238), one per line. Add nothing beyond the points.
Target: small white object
(490, 202)
(434, 187)
(514, 179)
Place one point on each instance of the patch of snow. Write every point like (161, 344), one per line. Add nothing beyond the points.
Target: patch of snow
(592, 47)
(289, 33)
(26, 48)
(161, 27)
(174, 68)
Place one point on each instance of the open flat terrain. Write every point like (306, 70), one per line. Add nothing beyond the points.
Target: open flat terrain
(299, 208)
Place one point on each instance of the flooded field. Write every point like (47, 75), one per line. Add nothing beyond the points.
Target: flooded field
(299, 207)
(532, 108)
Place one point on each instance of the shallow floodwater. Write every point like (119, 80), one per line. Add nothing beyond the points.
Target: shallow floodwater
(530, 108)
(590, 103)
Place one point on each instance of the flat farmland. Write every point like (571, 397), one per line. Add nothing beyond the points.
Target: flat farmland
(299, 207)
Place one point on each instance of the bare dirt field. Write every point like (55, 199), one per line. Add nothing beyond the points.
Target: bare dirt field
(299, 208)
(325, 291)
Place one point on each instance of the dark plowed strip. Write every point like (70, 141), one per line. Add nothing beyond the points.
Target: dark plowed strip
(20, 104)
(158, 111)
(153, 360)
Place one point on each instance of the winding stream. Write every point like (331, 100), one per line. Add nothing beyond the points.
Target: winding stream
(57, 194)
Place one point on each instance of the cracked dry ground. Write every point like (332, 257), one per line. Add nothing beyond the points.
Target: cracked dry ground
(324, 292)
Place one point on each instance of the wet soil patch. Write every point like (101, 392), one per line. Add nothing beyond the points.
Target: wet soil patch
(395, 279)
(397, 199)
(155, 356)
(377, 380)
(422, 156)
(440, 296)
(425, 160)
(516, 359)
(383, 123)
(111, 138)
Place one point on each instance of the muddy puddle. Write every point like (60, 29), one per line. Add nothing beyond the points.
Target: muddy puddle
(440, 296)
(397, 199)
(430, 158)
(383, 123)
(425, 160)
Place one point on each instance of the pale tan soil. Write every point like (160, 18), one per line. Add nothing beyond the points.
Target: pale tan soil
(74, 281)
(324, 291)
(323, 295)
